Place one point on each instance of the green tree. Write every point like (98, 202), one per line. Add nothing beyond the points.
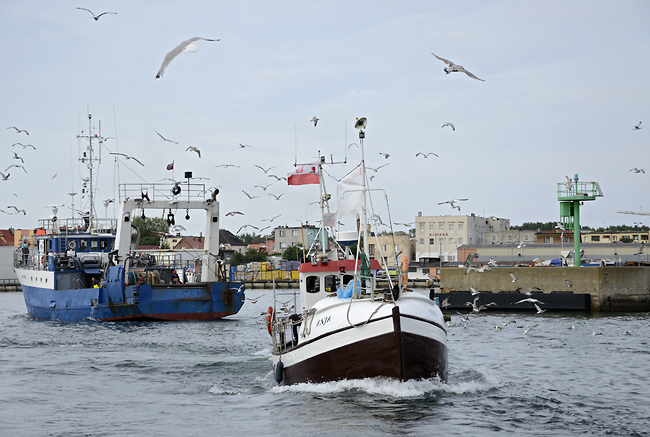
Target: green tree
(292, 253)
(150, 229)
(251, 255)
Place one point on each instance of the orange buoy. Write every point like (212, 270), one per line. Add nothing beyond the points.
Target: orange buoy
(270, 318)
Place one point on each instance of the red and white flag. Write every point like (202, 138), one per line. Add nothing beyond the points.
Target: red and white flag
(304, 175)
(170, 166)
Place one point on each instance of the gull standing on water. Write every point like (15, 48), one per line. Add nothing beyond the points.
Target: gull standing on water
(453, 68)
(185, 46)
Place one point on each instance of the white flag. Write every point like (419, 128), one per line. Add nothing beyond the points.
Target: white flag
(350, 196)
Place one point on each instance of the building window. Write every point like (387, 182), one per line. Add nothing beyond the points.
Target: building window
(431, 241)
(431, 227)
(460, 241)
(283, 233)
(421, 227)
(509, 238)
(451, 241)
(383, 247)
(586, 238)
(451, 226)
(594, 238)
(452, 258)
(371, 249)
(396, 248)
(283, 246)
(294, 233)
(421, 240)
(494, 238)
(425, 270)
(441, 227)
(460, 227)
(525, 237)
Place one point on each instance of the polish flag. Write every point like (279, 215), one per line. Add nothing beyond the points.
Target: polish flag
(304, 175)
(170, 166)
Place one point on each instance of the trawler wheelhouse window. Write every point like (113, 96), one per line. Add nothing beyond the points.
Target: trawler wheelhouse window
(331, 283)
(313, 284)
(83, 245)
(94, 245)
(103, 245)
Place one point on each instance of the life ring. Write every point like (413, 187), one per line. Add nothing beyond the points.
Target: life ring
(72, 244)
(270, 319)
(43, 258)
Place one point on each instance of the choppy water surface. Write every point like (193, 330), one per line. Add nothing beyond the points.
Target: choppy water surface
(214, 378)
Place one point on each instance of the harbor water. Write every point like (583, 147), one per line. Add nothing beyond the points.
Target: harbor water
(215, 379)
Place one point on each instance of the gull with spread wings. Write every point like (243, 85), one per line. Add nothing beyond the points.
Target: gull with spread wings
(189, 45)
(455, 68)
(128, 157)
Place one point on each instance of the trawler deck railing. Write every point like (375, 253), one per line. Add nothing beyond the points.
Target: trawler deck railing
(163, 191)
(73, 226)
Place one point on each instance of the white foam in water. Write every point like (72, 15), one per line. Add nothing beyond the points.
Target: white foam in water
(394, 388)
(216, 390)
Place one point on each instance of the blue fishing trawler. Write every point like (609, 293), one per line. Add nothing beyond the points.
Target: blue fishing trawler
(84, 268)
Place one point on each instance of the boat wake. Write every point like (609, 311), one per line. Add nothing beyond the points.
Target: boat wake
(467, 383)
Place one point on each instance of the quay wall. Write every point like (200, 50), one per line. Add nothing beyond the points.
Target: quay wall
(610, 288)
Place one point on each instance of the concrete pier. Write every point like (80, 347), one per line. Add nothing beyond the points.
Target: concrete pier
(609, 288)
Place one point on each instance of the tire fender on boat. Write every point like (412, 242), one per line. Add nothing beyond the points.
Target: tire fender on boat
(270, 319)
(279, 372)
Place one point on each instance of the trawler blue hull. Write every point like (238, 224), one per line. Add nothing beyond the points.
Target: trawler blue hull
(171, 302)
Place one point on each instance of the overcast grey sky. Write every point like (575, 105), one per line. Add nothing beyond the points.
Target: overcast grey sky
(565, 83)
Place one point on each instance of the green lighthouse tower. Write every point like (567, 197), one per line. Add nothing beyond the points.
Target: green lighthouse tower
(571, 195)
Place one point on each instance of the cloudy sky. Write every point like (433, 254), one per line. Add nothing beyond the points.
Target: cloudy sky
(565, 84)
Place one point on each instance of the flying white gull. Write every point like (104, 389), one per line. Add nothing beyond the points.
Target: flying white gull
(194, 149)
(5, 177)
(276, 197)
(262, 168)
(24, 146)
(263, 187)
(528, 328)
(452, 68)
(18, 130)
(569, 183)
(231, 213)
(128, 157)
(452, 202)
(18, 157)
(426, 155)
(530, 299)
(16, 165)
(314, 120)
(227, 165)
(638, 170)
(249, 196)
(385, 155)
(451, 125)
(165, 139)
(188, 46)
(539, 310)
(96, 17)
(375, 169)
(638, 126)
(17, 210)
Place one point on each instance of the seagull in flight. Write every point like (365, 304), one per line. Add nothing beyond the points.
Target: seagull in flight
(227, 165)
(528, 328)
(24, 146)
(568, 283)
(17, 210)
(638, 126)
(529, 292)
(96, 17)
(231, 213)
(539, 310)
(243, 146)
(128, 157)
(16, 165)
(5, 177)
(18, 130)
(385, 155)
(638, 170)
(186, 46)
(165, 139)
(453, 68)
(314, 120)
(569, 182)
(194, 149)
(514, 278)
(263, 187)
(277, 178)
(247, 226)
(451, 125)
(18, 157)
(353, 144)
(453, 202)
(276, 197)
(249, 196)
(529, 299)
(375, 169)
(262, 168)
(426, 155)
